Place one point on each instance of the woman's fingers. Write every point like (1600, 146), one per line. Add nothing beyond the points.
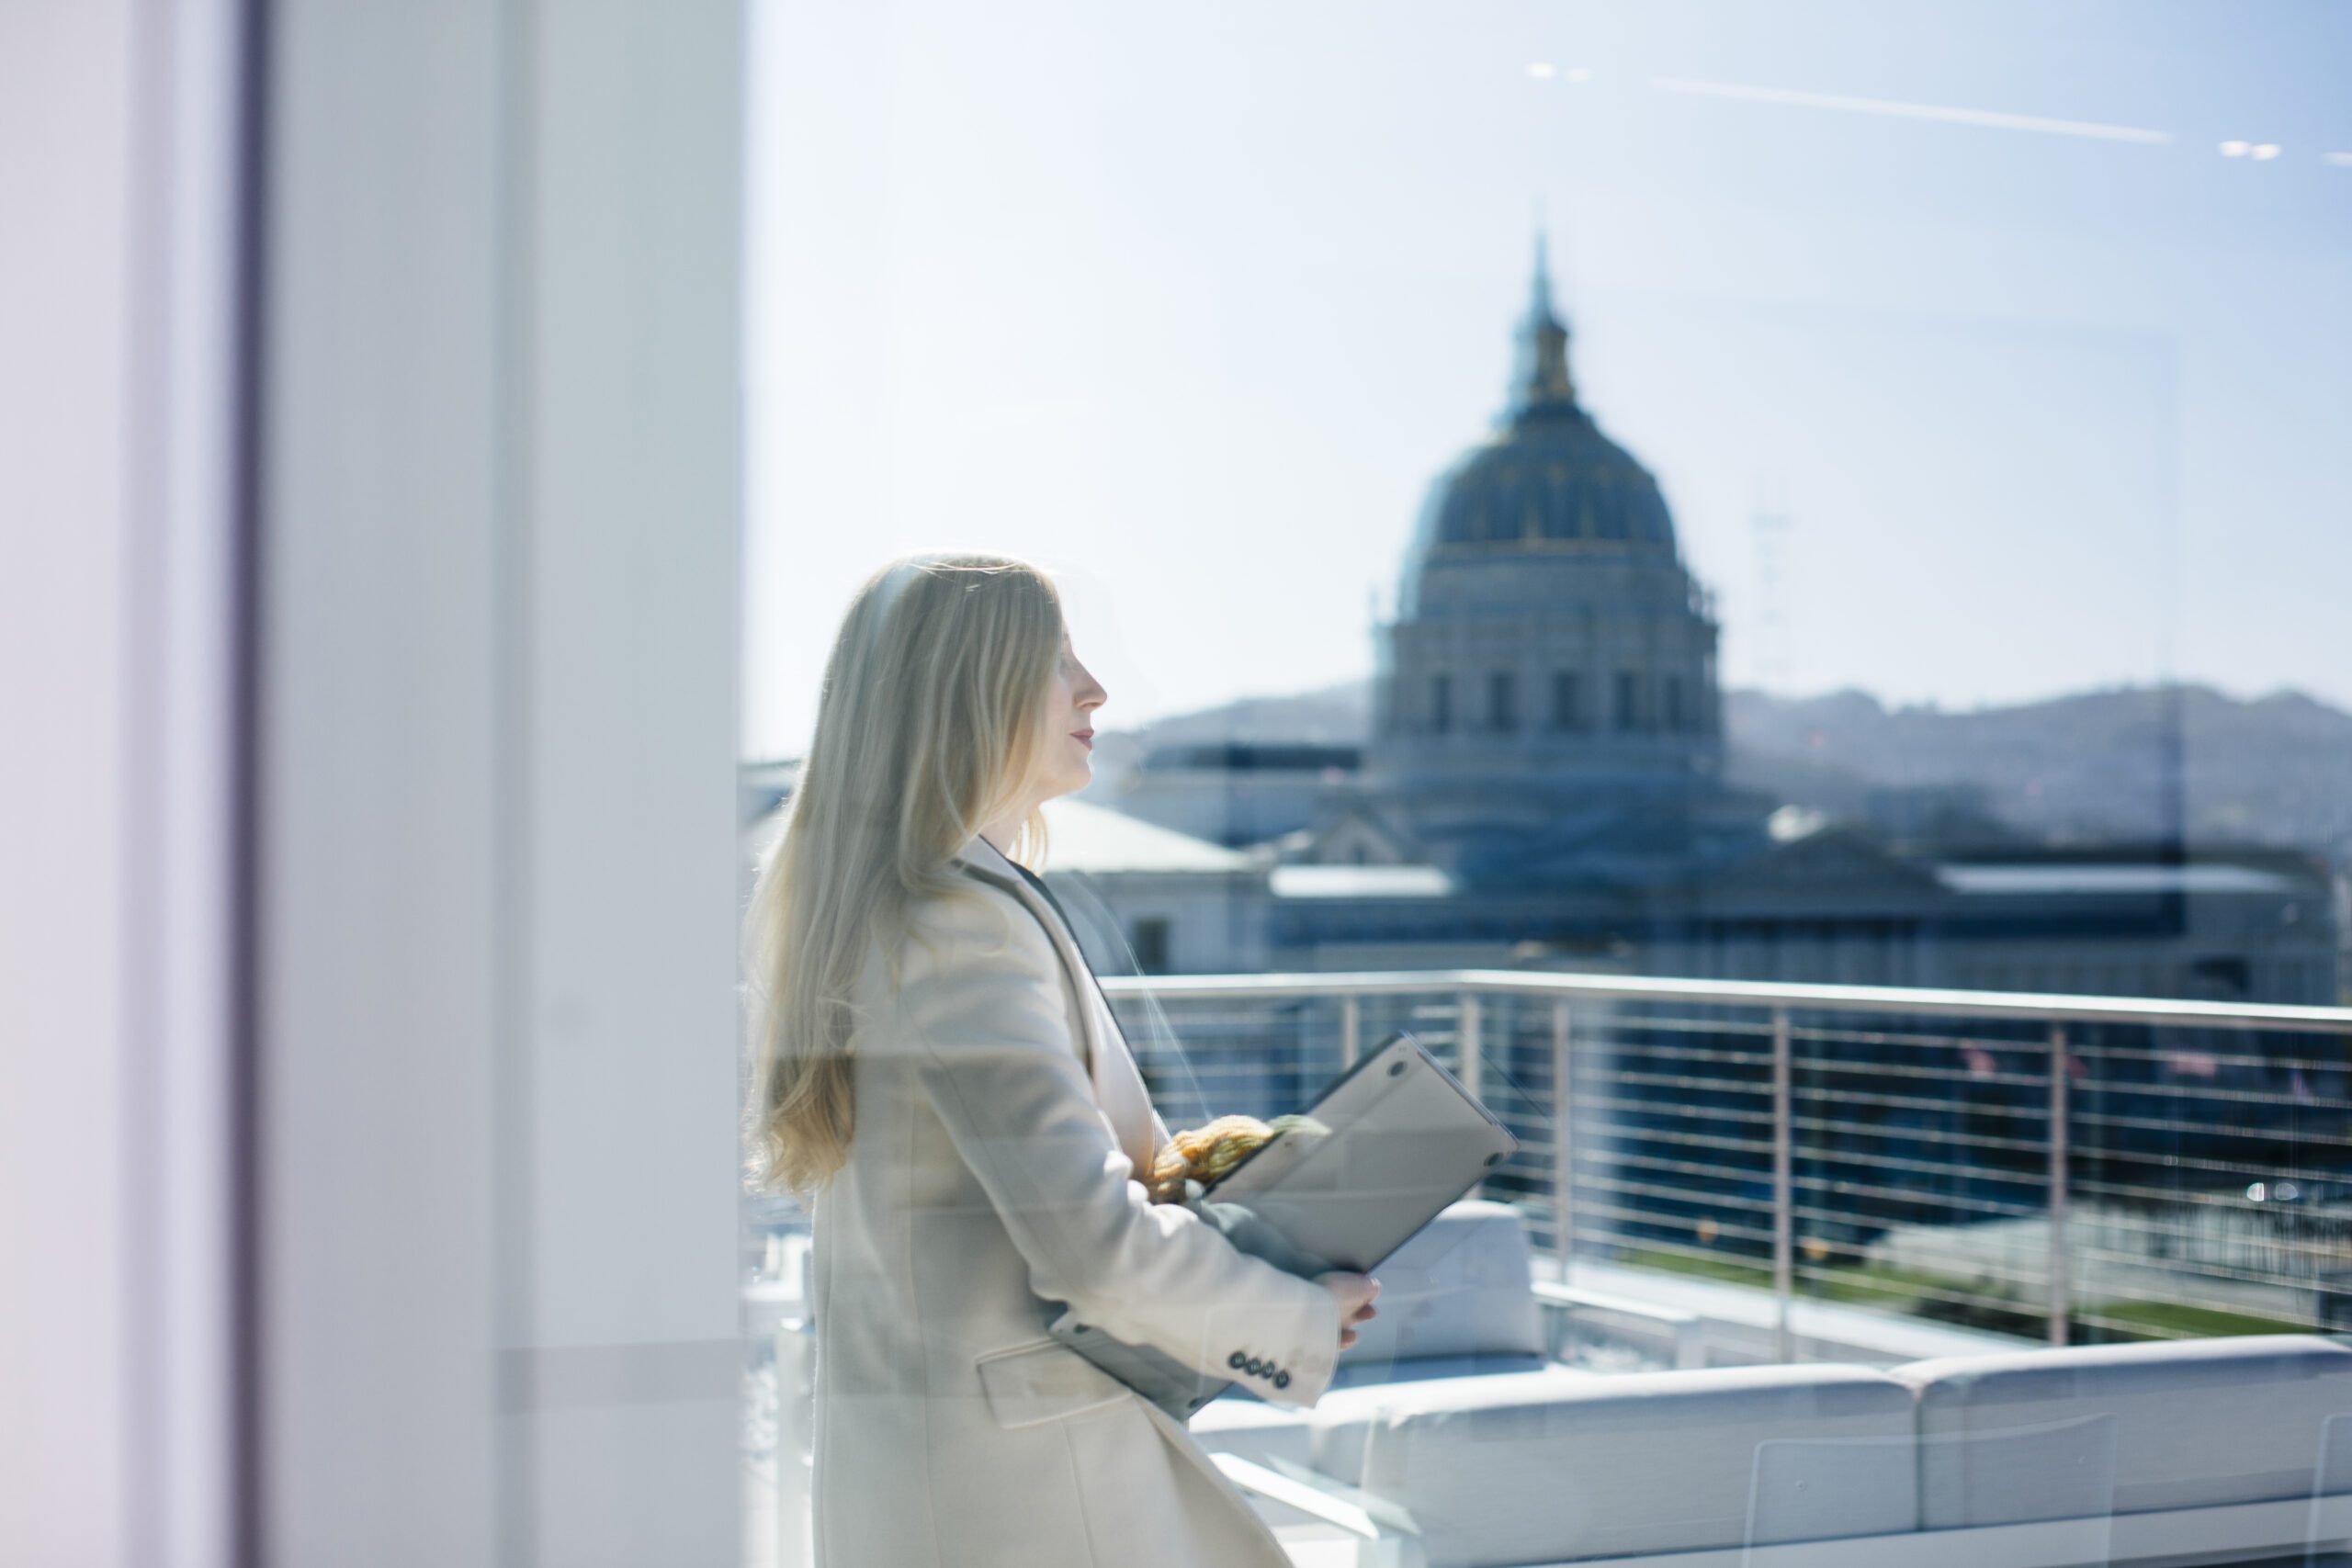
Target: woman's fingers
(1355, 1293)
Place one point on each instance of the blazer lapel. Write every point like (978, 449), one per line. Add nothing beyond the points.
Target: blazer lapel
(1109, 1065)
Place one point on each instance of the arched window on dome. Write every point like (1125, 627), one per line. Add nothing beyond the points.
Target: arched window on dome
(1441, 703)
(1612, 517)
(1677, 716)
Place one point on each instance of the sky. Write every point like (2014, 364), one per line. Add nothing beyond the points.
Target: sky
(1984, 351)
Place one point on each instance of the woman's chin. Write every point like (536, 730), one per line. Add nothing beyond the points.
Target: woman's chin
(1071, 783)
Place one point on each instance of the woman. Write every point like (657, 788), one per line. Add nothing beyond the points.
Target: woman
(938, 1076)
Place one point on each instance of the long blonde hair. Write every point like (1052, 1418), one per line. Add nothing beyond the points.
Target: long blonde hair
(927, 728)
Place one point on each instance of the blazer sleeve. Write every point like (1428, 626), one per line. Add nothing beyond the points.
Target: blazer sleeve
(993, 1053)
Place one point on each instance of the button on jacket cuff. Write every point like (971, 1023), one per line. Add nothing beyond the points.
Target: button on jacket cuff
(1283, 1359)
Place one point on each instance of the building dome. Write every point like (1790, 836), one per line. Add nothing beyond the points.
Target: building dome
(1552, 659)
(1549, 480)
(1551, 477)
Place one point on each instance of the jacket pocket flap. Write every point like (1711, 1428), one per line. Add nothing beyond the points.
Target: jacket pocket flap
(1033, 1383)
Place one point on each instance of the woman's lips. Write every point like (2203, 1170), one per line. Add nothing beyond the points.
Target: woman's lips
(1085, 736)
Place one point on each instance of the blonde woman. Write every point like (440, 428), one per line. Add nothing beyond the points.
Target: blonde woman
(940, 1078)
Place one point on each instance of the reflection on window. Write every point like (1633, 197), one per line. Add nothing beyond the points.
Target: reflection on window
(1926, 387)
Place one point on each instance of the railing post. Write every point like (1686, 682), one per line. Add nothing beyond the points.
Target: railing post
(1784, 1213)
(2061, 1306)
(1351, 1029)
(1564, 1170)
(1469, 1032)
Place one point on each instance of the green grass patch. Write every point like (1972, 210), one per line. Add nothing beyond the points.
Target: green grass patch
(1731, 1270)
(2168, 1319)
(1933, 1295)
(1850, 1284)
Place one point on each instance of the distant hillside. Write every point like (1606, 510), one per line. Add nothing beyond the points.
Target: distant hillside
(1335, 715)
(2275, 770)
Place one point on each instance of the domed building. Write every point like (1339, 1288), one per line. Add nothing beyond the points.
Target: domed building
(1539, 781)
(1553, 660)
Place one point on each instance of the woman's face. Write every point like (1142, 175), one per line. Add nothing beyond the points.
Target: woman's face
(1066, 754)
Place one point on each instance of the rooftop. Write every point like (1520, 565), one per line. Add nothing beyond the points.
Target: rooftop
(1361, 881)
(1086, 838)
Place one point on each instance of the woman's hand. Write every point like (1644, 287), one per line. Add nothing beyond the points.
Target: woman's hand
(1355, 1293)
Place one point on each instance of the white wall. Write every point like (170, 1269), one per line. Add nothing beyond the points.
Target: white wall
(494, 846)
(67, 84)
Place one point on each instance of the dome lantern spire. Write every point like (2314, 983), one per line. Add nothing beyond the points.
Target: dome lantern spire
(1543, 378)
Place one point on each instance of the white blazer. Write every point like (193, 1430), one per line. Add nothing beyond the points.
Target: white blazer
(1000, 1129)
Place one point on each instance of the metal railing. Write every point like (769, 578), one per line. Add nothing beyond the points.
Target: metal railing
(2086, 1166)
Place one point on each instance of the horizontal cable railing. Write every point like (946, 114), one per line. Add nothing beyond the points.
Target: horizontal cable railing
(2078, 1168)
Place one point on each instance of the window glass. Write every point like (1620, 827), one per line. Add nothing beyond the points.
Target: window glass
(1871, 474)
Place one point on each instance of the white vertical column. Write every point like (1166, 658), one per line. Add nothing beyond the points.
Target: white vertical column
(619, 809)
(386, 905)
(501, 531)
(68, 887)
(115, 413)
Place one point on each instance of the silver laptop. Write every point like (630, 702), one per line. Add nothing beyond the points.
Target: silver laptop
(1391, 1142)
